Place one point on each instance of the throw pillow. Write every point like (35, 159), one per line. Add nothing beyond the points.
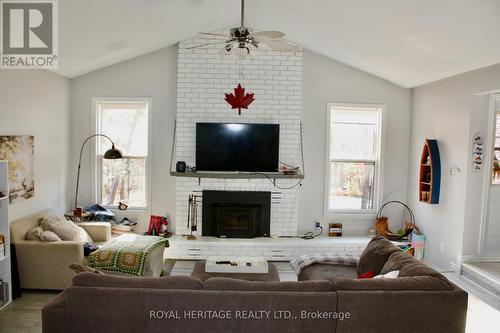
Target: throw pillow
(34, 234)
(367, 275)
(60, 227)
(375, 255)
(82, 235)
(66, 230)
(49, 236)
(390, 275)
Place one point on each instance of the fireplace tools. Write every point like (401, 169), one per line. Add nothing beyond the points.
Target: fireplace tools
(192, 221)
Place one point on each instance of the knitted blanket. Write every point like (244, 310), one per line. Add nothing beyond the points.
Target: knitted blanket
(125, 255)
(299, 263)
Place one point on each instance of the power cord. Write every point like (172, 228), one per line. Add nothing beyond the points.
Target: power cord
(311, 235)
(276, 185)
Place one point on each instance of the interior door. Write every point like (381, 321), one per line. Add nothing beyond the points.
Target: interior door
(492, 235)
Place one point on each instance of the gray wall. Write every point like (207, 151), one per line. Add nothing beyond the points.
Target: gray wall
(154, 75)
(443, 110)
(326, 80)
(35, 102)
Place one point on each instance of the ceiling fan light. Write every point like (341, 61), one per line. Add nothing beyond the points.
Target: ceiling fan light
(225, 52)
(244, 53)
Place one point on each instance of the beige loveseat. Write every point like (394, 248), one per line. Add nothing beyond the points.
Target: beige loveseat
(44, 265)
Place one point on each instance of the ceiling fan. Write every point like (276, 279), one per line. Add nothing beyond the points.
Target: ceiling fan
(243, 41)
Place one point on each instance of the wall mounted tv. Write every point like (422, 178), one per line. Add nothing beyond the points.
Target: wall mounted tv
(237, 147)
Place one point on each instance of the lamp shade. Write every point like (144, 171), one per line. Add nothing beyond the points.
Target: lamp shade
(113, 153)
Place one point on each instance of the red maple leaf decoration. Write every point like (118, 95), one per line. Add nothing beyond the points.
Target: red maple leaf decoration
(239, 100)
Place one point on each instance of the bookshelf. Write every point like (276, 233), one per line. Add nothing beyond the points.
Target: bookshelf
(430, 173)
(5, 274)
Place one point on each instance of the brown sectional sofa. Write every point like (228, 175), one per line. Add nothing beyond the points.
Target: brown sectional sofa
(420, 300)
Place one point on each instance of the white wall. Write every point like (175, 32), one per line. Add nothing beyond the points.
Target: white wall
(480, 109)
(152, 75)
(443, 110)
(35, 102)
(326, 80)
(276, 80)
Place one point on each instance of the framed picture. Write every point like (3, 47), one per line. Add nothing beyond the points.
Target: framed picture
(19, 151)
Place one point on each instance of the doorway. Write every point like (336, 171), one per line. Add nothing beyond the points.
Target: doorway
(491, 240)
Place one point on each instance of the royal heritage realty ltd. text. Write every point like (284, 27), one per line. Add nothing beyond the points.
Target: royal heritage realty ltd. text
(247, 314)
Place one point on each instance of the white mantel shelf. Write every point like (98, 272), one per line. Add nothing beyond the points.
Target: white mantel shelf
(237, 175)
(272, 248)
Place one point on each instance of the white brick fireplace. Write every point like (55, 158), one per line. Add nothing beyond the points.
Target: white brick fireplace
(276, 80)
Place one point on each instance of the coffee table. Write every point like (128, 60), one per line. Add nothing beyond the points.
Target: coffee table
(186, 268)
(200, 272)
(250, 265)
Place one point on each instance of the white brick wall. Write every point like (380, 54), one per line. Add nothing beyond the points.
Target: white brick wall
(202, 80)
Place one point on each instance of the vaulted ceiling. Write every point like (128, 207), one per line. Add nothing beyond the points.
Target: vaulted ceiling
(409, 43)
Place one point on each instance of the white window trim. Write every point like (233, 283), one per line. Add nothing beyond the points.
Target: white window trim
(379, 167)
(95, 169)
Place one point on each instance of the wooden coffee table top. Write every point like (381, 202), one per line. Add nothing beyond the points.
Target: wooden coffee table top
(231, 265)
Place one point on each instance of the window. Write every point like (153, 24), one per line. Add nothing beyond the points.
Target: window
(353, 163)
(126, 122)
(496, 155)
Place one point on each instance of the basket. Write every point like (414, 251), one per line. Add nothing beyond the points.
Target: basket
(382, 223)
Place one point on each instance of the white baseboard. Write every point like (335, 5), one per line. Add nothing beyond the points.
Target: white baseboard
(479, 258)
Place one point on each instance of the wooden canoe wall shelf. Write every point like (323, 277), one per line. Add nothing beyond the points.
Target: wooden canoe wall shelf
(430, 173)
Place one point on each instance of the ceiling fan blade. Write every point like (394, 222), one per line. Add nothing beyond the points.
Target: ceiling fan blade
(213, 34)
(267, 34)
(202, 45)
(273, 45)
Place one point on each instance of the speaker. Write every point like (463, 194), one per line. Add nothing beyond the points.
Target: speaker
(180, 166)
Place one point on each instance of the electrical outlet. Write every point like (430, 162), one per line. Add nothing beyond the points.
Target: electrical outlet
(317, 225)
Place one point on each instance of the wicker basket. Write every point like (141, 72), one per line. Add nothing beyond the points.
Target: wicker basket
(382, 223)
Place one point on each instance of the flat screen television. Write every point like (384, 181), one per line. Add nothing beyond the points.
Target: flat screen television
(237, 147)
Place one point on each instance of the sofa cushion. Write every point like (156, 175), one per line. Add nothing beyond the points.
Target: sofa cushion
(327, 271)
(115, 281)
(375, 255)
(49, 236)
(408, 266)
(38, 234)
(419, 283)
(219, 283)
(34, 233)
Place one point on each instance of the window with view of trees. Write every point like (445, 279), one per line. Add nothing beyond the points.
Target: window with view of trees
(353, 158)
(123, 180)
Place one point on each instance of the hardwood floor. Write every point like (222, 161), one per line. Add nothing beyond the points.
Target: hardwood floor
(24, 314)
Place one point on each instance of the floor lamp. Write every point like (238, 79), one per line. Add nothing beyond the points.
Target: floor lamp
(110, 154)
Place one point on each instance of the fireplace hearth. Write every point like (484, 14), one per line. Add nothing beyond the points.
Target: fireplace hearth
(236, 214)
